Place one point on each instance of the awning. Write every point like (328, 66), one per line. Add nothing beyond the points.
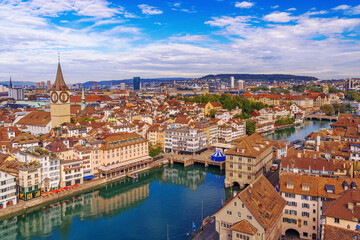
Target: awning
(89, 177)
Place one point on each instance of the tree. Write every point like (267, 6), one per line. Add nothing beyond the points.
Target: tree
(155, 150)
(352, 95)
(250, 127)
(212, 113)
(328, 109)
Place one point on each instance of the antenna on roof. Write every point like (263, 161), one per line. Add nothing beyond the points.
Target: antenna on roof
(58, 57)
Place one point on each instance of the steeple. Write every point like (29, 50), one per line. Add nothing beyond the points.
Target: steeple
(82, 100)
(59, 84)
(10, 84)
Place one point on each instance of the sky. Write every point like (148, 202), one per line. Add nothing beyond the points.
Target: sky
(118, 39)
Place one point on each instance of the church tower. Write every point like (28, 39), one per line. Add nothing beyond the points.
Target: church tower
(60, 100)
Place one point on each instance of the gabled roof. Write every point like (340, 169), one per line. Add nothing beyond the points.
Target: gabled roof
(36, 118)
(251, 146)
(244, 226)
(59, 84)
(263, 201)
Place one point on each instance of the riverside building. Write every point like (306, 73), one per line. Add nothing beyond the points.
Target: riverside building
(7, 190)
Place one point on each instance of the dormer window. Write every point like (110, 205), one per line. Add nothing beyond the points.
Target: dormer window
(305, 187)
(345, 185)
(353, 185)
(290, 185)
(329, 188)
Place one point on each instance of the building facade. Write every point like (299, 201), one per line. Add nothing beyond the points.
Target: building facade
(249, 159)
(7, 190)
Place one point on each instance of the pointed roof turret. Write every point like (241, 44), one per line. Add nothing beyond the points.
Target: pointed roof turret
(59, 84)
(10, 84)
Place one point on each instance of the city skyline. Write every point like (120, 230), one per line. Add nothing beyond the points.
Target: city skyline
(101, 40)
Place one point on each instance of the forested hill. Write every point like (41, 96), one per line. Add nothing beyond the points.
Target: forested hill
(261, 77)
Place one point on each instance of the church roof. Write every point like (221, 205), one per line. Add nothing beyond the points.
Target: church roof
(59, 84)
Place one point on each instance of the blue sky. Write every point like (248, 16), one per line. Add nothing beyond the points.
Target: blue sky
(100, 40)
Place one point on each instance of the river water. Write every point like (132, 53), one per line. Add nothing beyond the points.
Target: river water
(162, 201)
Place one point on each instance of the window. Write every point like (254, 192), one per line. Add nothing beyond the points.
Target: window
(289, 195)
(228, 212)
(305, 234)
(314, 211)
(290, 186)
(303, 197)
(313, 227)
(305, 188)
(249, 168)
(249, 217)
(305, 223)
(294, 204)
(313, 198)
(234, 204)
(239, 214)
(305, 214)
(305, 205)
(314, 219)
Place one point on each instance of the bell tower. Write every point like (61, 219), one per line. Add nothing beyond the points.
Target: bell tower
(60, 100)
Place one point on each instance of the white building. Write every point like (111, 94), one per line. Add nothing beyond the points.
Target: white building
(7, 190)
(85, 153)
(241, 84)
(185, 140)
(36, 122)
(232, 82)
(50, 166)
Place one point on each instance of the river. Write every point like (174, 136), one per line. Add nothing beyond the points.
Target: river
(161, 201)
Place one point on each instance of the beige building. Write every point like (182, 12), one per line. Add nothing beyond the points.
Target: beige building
(119, 148)
(253, 214)
(29, 181)
(71, 172)
(306, 197)
(60, 101)
(249, 159)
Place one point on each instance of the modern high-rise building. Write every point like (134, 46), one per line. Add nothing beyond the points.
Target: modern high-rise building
(122, 86)
(42, 85)
(48, 85)
(241, 84)
(136, 83)
(349, 84)
(16, 93)
(37, 85)
(232, 82)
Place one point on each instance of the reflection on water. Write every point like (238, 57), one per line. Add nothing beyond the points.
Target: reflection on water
(297, 132)
(111, 201)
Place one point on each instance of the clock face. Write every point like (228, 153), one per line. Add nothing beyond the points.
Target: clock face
(64, 97)
(54, 97)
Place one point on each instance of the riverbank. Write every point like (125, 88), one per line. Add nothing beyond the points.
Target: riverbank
(27, 206)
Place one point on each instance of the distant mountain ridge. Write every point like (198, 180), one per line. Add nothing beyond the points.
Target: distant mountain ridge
(18, 83)
(128, 81)
(258, 77)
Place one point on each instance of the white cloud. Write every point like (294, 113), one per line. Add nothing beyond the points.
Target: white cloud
(275, 6)
(291, 9)
(190, 38)
(227, 21)
(149, 10)
(244, 4)
(341, 7)
(280, 17)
